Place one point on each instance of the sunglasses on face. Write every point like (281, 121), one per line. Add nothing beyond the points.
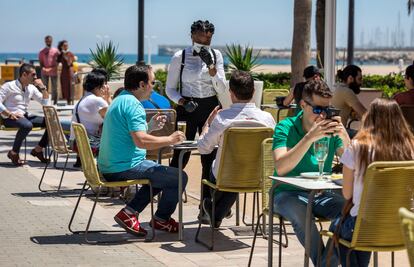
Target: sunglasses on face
(317, 109)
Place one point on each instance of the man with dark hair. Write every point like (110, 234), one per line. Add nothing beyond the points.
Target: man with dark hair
(309, 73)
(241, 93)
(123, 147)
(346, 91)
(195, 77)
(293, 154)
(407, 97)
(14, 101)
(48, 62)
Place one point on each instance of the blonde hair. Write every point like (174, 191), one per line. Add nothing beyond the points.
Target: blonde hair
(384, 135)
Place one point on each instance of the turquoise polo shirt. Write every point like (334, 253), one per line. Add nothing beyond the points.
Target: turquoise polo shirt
(117, 150)
(287, 134)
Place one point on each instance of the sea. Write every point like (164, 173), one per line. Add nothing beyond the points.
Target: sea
(129, 59)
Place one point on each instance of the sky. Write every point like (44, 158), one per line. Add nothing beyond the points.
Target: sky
(260, 23)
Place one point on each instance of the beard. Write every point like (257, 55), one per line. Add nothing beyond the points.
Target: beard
(356, 88)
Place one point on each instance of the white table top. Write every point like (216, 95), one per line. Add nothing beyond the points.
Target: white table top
(63, 108)
(307, 183)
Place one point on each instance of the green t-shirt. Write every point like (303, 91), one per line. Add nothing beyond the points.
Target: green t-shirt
(118, 151)
(287, 134)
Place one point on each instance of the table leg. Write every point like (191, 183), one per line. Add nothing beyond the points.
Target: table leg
(270, 237)
(180, 194)
(308, 226)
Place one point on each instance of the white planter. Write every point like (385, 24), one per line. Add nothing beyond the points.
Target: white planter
(225, 99)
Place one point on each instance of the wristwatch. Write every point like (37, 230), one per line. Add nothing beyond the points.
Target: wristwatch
(212, 66)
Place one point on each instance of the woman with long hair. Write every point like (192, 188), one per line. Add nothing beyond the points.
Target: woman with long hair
(66, 58)
(384, 136)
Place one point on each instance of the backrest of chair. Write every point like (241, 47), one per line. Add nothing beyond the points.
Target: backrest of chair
(89, 167)
(54, 129)
(407, 226)
(241, 158)
(408, 112)
(268, 168)
(387, 187)
(269, 95)
(168, 129)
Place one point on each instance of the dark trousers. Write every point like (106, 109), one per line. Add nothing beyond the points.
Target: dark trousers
(195, 122)
(224, 200)
(25, 125)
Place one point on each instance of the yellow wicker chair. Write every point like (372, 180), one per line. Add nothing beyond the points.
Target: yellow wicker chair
(169, 128)
(237, 171)
(407, 226)
(269, 96)
(57, 140)
(4, 128)
(387, 187)
(94, 179)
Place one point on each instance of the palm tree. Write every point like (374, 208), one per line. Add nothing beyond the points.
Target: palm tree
(320, 32)
(301, 39)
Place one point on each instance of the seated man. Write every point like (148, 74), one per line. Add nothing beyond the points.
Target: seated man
(293, 153)
(14, 101)
(241, 93)
(345, 93)
(407, 97)
(123, 147)
(309, 73)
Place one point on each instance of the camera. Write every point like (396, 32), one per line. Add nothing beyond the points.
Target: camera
(190, 106)
(332, 112)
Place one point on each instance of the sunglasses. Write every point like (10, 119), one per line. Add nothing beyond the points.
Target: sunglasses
(317, 109)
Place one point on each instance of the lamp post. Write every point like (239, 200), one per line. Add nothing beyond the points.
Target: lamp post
(149, 37)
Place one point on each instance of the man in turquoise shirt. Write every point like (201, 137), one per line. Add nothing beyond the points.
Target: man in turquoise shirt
(123, 147)
(293, 153)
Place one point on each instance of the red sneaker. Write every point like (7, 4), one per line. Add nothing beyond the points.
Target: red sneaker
(170, 226)
(130, 223)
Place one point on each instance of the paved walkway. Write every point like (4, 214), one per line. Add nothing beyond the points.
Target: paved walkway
(34, 226)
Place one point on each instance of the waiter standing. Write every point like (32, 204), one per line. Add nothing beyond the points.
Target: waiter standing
(195, 77)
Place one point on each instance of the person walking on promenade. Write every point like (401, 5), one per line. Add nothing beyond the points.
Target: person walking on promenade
(66, 58)
(48, 63)
(14, 101)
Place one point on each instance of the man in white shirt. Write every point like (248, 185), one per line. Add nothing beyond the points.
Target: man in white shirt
(195, 77)
(14, 100)
(241, 93)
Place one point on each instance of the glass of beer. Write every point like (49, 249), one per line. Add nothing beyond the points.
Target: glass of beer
(182, 126)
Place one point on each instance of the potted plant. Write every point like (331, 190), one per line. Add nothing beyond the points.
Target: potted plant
(106, 57)
(242, 58)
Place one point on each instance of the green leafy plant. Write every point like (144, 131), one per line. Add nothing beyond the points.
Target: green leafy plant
(105, 56)
(242, 58)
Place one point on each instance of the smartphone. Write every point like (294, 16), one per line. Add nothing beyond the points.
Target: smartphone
(332, 112)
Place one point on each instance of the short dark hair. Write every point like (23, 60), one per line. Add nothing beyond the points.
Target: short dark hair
(350, 70)
(316, 87)
(25, 68)
(48, 36)
(409, 72)
(242, 84)
(310, 71)
(101, 71)
(202, 26)
(93, 80)
(136, 74)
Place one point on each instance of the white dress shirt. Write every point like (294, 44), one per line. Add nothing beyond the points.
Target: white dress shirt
(233, 116)
(196, 81)
(16, 100)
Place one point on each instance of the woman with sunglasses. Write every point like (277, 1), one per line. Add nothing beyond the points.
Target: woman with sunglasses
(407, 98)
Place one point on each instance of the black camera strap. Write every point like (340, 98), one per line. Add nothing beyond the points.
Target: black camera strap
(182, 68)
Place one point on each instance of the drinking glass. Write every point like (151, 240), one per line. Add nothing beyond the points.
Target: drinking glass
(321, 148)
(182, 126)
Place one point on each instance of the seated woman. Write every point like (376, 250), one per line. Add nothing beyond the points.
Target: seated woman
(384, 136)
(91, 108)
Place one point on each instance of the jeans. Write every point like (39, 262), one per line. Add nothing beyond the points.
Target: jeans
(163, 179)
(45, 81)
(357, 258)
(224, 200)
(291, 205)
(25, 125)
